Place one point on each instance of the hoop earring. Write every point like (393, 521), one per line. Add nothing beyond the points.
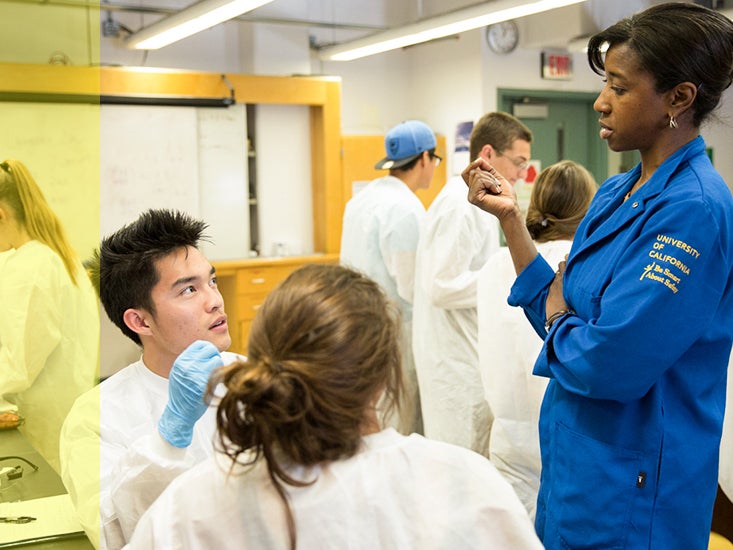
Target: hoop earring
(672, 122)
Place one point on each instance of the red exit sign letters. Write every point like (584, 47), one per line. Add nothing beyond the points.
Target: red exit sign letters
(557, 65)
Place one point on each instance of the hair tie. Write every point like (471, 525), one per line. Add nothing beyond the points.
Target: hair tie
(544, 222)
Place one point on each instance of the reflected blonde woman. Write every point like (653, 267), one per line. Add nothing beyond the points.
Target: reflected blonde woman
(49, 330)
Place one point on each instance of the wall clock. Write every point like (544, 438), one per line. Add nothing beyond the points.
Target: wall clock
(502, 37)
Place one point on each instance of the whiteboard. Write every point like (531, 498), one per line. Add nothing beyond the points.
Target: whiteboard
(182, 158)
(149, 159)
(224, 181)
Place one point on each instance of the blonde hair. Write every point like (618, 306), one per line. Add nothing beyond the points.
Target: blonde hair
(322, 348)
(20, 192)
(560, 198)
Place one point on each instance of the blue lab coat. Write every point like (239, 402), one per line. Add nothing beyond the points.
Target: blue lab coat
(631, 421)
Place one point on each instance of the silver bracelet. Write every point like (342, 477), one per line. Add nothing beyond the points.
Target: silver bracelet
(554, 317)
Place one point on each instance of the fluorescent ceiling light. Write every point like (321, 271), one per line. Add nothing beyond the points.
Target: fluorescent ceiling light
(449, 24)
(193, 19)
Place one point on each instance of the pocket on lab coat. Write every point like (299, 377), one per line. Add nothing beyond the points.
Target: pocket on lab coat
(594, 488)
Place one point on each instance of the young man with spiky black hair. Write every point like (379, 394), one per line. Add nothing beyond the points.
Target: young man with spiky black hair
(125, 440)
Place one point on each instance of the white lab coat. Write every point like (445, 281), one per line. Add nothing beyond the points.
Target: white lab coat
(49, 341)
(725, 478)
(381, 228)
(508, 347)
(114, 463)
(397, 492)
(455, 241)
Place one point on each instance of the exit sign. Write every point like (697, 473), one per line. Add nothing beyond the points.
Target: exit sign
(557, 65)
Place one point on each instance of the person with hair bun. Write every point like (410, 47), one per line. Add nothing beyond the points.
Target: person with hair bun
(303, 461)
(560, 198)
(49, 327)
(638, 323)
(508, 347)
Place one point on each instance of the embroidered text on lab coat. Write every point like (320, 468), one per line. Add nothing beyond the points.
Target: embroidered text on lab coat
(660, 271)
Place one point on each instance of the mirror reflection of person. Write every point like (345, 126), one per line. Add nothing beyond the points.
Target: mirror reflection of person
(49, 327)
(304, 460)
(638, 323)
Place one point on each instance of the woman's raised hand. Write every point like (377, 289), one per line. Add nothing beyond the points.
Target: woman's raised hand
(488, 189)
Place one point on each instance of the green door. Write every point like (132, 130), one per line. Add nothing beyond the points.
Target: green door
(564, 127)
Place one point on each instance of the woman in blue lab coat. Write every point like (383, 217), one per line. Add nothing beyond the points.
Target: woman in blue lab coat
(638, 324)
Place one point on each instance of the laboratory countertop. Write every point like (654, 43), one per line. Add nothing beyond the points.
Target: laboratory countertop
(44, 482)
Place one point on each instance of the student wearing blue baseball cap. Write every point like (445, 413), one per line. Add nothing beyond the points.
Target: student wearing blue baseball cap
(380, 234)
(406, 142)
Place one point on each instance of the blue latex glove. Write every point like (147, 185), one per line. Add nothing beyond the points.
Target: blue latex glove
(186, 388)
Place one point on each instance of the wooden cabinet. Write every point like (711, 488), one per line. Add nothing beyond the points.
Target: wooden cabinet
(244, 284)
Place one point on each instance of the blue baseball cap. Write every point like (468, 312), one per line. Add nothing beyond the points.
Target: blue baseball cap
(405, 142)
